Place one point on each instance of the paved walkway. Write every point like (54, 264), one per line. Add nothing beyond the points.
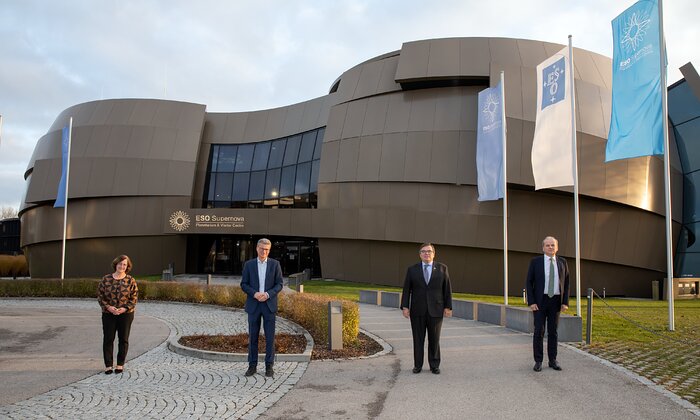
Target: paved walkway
(486, 373)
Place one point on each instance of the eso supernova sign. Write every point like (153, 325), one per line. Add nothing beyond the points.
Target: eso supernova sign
(202, 221)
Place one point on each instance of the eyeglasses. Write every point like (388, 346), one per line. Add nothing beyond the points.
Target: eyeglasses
(426, 251)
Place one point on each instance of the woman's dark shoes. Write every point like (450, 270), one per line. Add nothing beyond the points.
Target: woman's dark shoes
(119, 369)
(108, 371)
(251, 371)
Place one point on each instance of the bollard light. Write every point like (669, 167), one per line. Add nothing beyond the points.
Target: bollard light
(335, 325)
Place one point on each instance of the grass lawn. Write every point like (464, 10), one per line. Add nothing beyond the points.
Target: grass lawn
(629, 332)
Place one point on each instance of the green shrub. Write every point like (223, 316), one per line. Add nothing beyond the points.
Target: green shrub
(13, 266)
(308, 310)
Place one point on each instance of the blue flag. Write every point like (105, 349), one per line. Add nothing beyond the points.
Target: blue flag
(636, 124)
(61, 194)
(489, 144)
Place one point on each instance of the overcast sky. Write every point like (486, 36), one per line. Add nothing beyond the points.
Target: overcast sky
(249, 55)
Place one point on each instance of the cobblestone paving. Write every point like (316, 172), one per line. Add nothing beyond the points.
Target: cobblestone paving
(164, 385)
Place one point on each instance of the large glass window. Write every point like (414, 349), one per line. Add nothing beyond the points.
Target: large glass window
(275, 173)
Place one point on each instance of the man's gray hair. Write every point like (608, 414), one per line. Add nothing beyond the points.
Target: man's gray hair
(264, 241)
(556, 242)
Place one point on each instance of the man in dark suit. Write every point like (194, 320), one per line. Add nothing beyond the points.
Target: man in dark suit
(547, 287)
(262, 281)
(428, 293)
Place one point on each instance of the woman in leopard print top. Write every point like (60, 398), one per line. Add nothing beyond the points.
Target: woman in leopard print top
(117, 294)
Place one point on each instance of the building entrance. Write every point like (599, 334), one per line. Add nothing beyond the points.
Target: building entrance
(226, 254)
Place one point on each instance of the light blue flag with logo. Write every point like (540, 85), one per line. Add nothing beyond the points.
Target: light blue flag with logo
(61, 194)
(489, 144)
(636, 124)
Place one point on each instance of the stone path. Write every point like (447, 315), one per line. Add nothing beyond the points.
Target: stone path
(161, 384)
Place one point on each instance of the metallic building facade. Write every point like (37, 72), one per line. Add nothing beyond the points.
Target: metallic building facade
(397, 168)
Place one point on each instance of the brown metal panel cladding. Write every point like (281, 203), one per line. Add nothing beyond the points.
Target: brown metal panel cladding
(586, 68)
(413, 61)
(514, 88)
(300, 220)
(316, 113)
(356, 257)
(331, 254)
(347, 159)
(328, 195)
(398, 113)
(524, 210)
(345, 223)
(532, 53)
(443, 159)
(350, 195)
(375, 115)
(80, 170)
(154, 175)
(354, 118)
(322, 223)
(369, 79)
(80, 138)
(433, 197)
(371, 224)
(505, 51)
(419, 147)
(629, 226)
(448, 109)
(400, 224)
(387, 82)
(255, 126)
(385, 263)
(461, 229)
(162, 143)
(101, 112)
(257, 220)
(186, 146)
(443, 58)
(139, 142)
(293, 118)
(403, 195)
(375, 194)
(101, 177)
(590, 110)
(470, 108)
(279, 222)
(336, 120)
(38, 180)
(369, 158)
(528, 84)
(466, 170)
(348, 84)
(422, 115)
(143, 112)
(430, 226)
(168, 114)
(393, 157)
(121, 112)
(96, 145)
(474, 56)
(489, 232)
(180, 178)
(329, 162)
(274, 126)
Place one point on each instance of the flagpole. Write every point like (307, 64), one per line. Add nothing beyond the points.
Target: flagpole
(574, 151)
(65, 206)
(667, 171)
(0, 129)
(505, 191)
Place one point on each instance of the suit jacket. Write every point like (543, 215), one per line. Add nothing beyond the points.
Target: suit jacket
(433, 297)
(251, 282)
(535, 280)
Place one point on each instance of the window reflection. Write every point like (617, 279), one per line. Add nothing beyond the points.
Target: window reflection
(277, 173)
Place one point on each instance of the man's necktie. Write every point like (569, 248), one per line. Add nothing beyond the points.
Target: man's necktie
(550, 287)
(426, 273)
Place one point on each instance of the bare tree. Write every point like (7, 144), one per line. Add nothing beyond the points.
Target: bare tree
(7, 212)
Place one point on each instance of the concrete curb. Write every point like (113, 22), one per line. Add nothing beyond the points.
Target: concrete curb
(176, 347)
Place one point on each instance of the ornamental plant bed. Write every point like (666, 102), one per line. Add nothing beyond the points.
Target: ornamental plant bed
(284, 344)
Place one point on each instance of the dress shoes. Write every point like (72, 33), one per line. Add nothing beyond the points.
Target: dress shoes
(119, 369)
(269, 372)
(108, 371)
(251, 371)
(435, 370)
(554, 365)
(417, 369)
(538, 367)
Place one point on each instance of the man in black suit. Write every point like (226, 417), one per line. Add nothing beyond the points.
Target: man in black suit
(547, 287)
(428, 293)
(262, 281)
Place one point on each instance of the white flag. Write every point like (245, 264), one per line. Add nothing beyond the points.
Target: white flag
(552, 160)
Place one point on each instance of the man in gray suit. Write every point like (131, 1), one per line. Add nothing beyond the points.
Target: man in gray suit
(428, 293)
(262, 281)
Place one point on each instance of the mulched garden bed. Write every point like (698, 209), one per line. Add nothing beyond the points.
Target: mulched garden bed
(284, 344)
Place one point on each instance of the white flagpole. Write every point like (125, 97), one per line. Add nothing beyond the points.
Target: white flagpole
(65, 205)
(667, 171)
(505, 191)
(0, 129)
(574, 151)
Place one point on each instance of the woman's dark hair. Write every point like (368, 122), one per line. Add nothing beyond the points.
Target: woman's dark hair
(120, 259)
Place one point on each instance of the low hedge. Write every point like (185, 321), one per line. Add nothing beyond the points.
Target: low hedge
(308, 310)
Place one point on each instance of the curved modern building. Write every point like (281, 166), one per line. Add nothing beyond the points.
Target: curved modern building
(350, 183)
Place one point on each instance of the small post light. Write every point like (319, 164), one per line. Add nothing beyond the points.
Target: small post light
(335, 325)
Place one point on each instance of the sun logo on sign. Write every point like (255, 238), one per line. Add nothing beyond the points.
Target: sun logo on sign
(179, 220)
(491, 107)
(635, 29)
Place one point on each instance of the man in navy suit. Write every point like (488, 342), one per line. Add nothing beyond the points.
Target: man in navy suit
(428, 293)
(547, 287)
(262, 281)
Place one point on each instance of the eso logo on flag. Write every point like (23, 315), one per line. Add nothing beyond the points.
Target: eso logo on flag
(554, 83)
